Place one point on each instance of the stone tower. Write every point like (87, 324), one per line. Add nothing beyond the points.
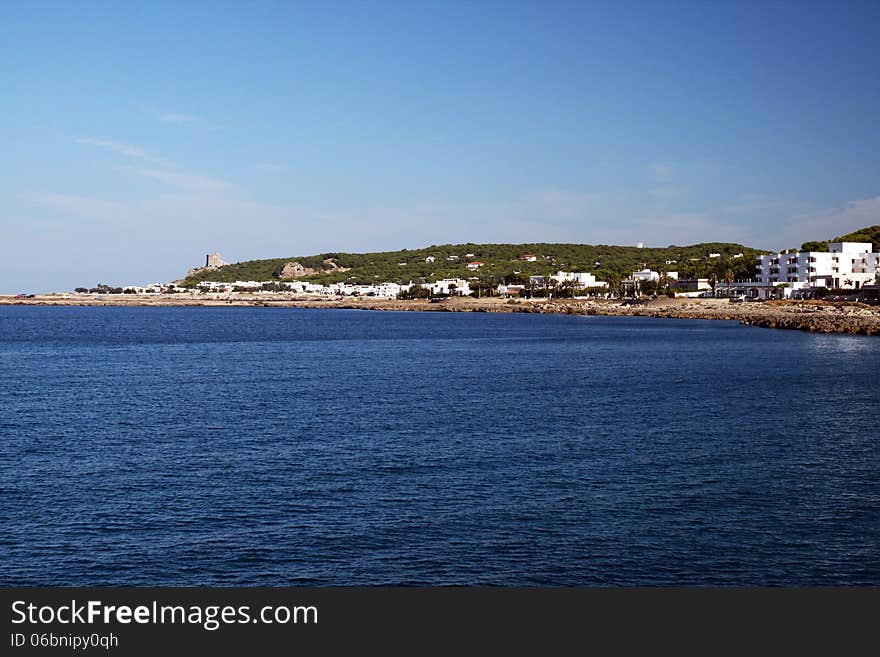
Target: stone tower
(213, 260)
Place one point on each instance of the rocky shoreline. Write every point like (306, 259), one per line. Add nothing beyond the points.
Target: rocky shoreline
(813, 316)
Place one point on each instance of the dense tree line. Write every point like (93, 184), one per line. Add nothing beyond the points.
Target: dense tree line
(868, 234)
(501, 263)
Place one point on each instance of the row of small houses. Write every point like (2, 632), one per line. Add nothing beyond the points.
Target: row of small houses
(476, 264)
(443, 287)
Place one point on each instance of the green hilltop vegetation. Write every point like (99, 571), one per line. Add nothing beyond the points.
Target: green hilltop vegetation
(868, 234)
(501, 263)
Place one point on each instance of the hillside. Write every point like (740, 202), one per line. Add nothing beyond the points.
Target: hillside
(867, 234)
(611, 263)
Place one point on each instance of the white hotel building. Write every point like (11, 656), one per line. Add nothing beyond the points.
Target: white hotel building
(846, 265)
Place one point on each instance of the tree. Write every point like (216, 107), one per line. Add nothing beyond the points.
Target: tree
(566, 290)
(814, 246)
(415, 292)
(482, 288)
(515, 278)
(649, 287)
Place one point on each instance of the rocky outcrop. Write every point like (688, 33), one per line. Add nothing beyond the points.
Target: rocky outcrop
(815, 317)
(803, 316)
(295, 270)
(330, 264)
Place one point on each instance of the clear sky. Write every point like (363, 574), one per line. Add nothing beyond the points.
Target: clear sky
(138, 136)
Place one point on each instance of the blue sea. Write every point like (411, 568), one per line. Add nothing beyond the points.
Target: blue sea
(269, 446)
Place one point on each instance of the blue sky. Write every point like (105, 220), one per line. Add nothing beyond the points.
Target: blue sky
(137, 138)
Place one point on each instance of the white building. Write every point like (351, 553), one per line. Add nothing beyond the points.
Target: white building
(387, 290)
(247, 285)
(580, 279)
(510, 290)
(690, 286)
(846, 265)
(449, 286)
(646, 275)
(214, 286)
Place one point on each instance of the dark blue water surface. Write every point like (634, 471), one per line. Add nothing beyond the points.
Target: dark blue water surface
(239, 446)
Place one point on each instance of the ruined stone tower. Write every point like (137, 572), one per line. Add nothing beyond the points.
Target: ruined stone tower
(213, 260)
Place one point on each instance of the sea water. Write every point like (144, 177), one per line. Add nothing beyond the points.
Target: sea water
(269, 446)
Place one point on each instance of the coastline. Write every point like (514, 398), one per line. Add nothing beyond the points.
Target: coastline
(813, 316)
